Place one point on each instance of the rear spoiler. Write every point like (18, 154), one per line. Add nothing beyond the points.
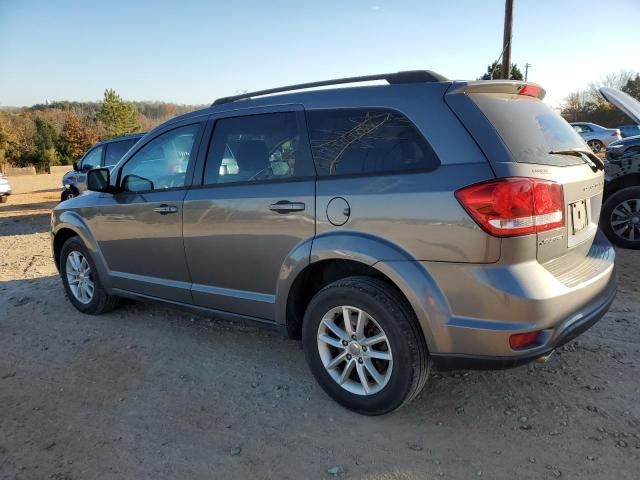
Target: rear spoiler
(513, 87)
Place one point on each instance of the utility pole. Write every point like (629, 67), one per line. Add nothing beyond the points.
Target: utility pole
(526, 71)
(506, 39)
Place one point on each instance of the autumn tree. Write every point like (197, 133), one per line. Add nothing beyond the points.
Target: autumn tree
(117, 116)
(76, 138)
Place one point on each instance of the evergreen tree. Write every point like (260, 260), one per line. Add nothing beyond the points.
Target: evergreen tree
(117, 116)
(496, 68)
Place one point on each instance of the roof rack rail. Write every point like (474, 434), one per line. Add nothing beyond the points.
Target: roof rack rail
(412, 76)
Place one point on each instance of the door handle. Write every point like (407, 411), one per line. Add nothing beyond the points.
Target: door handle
(165, 209)
(284, 206)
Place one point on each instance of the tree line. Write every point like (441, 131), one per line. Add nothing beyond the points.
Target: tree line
(59, 133)
(589, 106)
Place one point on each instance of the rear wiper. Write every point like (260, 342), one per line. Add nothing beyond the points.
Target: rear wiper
(588, 157)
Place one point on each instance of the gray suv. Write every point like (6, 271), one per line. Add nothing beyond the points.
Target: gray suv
(392, 227)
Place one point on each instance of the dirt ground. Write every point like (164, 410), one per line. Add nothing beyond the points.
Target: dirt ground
(151, 392)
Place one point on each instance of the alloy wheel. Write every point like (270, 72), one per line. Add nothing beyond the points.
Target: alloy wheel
(355, 350)
(625, 219)
(79, 277)
(594, 145)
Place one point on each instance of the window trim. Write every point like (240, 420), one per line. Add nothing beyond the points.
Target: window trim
(188, 180)
(373, 174)
(304, 141)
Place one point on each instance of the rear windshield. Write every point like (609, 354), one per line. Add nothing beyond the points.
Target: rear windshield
(529, 128)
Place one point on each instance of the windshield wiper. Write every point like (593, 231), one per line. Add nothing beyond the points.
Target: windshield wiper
(588, 157)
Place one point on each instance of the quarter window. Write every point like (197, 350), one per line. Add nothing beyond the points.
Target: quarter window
(367, 141)
(161, 163)
(255, 148)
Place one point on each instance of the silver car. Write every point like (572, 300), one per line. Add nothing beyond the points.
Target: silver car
(392, 228)
(596, 136)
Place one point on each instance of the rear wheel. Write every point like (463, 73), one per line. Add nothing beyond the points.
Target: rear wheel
(595, 145)
(81, 281)
(4, 199)
(620, 219)
(364, 346)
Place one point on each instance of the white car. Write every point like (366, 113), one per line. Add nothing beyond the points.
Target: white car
(596, 136)
(5, 188)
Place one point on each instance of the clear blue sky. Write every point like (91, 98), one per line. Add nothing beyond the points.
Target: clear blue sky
(195, 51)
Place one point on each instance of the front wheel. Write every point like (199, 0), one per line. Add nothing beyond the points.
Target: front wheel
(364, 346)
(81, 281)
(4, 199)
(620, 218)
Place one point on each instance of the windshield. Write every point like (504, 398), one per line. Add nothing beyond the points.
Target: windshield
(530, 129)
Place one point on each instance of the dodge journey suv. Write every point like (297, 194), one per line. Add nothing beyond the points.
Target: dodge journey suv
(392, 227)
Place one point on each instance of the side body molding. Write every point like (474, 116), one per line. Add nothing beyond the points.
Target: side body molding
(410, 276)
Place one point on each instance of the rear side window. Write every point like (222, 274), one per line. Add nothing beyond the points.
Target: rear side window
(352, 141)
(529, 128)
(116, 150)
(256, 148)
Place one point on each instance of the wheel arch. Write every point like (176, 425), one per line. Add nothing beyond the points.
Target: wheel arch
(69, 224)
(337, 255)
(623, 181)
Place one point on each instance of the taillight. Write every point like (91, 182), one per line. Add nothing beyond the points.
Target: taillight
(509, 207)
(530, 90)
(616, 133)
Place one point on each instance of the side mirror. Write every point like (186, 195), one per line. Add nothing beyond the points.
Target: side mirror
(98, 180)
(75, 167)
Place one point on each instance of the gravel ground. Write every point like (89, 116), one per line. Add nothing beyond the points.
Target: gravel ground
(151, 392)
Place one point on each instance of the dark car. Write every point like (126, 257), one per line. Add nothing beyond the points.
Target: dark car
(620, 217)
(104, 154)
(622, 147)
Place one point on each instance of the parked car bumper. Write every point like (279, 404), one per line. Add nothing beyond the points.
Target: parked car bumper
(615, 151)
(516, 299)
(5, 189)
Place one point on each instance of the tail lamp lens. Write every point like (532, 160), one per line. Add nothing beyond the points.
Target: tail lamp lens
(510, 207)
(530, 90)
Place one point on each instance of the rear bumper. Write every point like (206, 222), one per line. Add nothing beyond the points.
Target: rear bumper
(567, 332)
(489, 303)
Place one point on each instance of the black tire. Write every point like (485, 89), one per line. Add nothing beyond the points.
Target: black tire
(68, 193)
(4, 199)
(411, 362)
(101, 302)
(607, 217)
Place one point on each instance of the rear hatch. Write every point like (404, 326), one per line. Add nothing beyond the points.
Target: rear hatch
(523, 137)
